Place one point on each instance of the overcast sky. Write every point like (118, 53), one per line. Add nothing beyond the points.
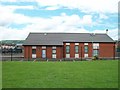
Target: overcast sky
(19, 17)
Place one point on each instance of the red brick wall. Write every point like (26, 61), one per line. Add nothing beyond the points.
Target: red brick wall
(72, 50)
(49, 52)
(90, 50)
(38, 52)
(59, 52)
(105, 50)
(27, 52)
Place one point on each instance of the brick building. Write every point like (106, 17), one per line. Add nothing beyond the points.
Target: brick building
(68, 46)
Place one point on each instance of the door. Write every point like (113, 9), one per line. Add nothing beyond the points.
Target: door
(43, 53)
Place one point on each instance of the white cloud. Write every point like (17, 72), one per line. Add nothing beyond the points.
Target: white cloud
(52, 8)
(87, 19)
(12, 34)
(104, 6)
(7, 15)
(113, 33)
(17, 0)
(103, 16)
(61, 23)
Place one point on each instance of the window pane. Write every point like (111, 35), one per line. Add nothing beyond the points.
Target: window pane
(33, 55)
(43, 53)
(85, 55)
(53, 51)
(33, 51)
(95, 52)
(54, 47)
(95, 45)
(67, 49)
(43, 47)
(86, 49)
(33, 47)
(67, 55)
(76, 55)
(76, 49)
(53, 55)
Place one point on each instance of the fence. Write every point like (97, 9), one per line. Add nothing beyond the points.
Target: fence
(13, 56)
(20, 57)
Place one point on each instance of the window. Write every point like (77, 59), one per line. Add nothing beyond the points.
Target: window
(86, 49)
(33, 51)
(54, 47)
(33, 47)
(67, 43)
(33, 55)
(53, 55)
(76, 43)
(43, 47)
(85, 43)
(76, 55)
(95, 45)
(95, 52)
(76, 49)
(85, 55)
(53, 51)
(67, 49)
(43, 53)
(67, 55)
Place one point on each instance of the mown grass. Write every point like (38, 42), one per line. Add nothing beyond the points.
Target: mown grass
(80, 74)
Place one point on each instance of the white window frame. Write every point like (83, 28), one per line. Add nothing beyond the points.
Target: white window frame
(85, 43)
(67, 43)
(54, 47)
(54, 52)
(76, 43)
(33, 55)
(95, 45)
(43, 47)
(76, 55)
(67, 55)
(33, 47)
(86, 55)
(53, 55)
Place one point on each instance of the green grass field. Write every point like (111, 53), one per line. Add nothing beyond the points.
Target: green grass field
(79, 74)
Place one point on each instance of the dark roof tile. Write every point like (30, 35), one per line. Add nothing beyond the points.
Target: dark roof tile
(59, 38)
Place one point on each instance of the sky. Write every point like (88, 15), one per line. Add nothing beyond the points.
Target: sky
(20, 17)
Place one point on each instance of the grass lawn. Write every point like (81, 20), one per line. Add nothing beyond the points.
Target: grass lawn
(79, 74)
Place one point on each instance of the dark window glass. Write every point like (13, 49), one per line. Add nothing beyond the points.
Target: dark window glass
(33, 51)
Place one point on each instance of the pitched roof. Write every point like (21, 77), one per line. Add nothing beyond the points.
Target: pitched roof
(59, 38)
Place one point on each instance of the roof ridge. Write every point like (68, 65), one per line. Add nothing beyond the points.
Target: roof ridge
(62, 33)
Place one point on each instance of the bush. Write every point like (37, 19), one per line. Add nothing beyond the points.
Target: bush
(95, 58)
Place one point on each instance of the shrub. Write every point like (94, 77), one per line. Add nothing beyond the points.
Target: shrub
(95, 58)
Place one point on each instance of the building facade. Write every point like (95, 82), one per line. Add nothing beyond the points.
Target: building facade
(68, 46)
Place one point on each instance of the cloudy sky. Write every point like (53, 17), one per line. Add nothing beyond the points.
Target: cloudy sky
(19, 17)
